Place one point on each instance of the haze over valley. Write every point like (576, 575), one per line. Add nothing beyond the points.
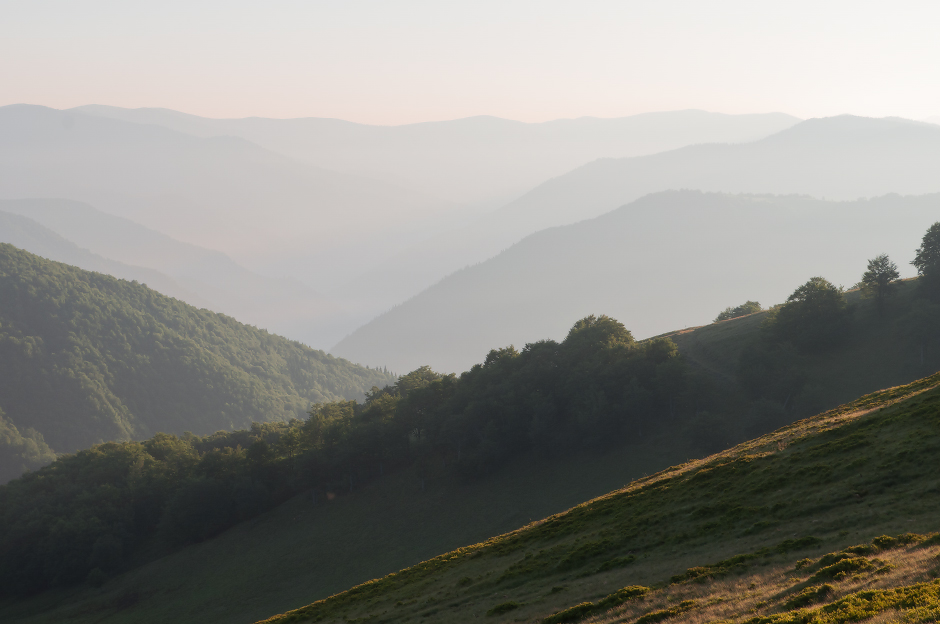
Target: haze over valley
(506, 312)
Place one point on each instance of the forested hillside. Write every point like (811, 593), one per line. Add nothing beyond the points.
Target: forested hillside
(134, 498)
(828, 521)
(86, 358)
(599, 407)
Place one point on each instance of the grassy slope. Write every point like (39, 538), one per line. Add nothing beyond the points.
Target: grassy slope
(301, 552)
(840, 478)
(273, 564)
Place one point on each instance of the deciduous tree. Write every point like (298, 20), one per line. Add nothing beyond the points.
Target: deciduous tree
(878, 280)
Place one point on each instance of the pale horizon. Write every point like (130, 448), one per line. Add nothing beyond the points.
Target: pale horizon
(369, 62)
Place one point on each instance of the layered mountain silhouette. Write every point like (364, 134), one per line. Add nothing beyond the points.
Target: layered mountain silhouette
(842, 157)
(87, 358)
(267, 211)
(260, 189)
(669, 260)
(483, 161)
(29, 235)
(201, 277)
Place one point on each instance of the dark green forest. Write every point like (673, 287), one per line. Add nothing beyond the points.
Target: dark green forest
(115, 505)
(87, 358)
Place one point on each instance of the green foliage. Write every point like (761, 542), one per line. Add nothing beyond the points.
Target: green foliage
(842, 568)
(503, 607)
(815, 316)
(861, 469)
(808, 596)
(21, 450)
(598, 387)
(85, 357)
(927, 261)
(617, 562)
(740, 563)
(117, 504)
(878, 281)
(748, 307)
(586, 609)
(664, 614)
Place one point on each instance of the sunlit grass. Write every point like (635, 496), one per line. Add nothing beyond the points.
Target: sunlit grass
(741, 519)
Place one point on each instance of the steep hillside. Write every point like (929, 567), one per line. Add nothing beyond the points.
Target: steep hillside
(86, 358)
(313, 546)
(666, 261)
(478, 160)
(198, 276)
(795, 526)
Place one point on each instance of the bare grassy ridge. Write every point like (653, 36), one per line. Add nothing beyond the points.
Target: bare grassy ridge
(697, 531)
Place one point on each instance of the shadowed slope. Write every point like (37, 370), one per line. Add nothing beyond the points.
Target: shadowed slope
(840, 478)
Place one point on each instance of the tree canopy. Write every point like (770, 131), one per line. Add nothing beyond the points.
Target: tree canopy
(814, 317)
(878, 280)
(748, 307)
(927, 261)
(97, 512)
(86, 358)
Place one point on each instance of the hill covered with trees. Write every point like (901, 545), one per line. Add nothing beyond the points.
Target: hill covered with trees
(87, 358)
(828, 521)
(122, 501)
(428, 463)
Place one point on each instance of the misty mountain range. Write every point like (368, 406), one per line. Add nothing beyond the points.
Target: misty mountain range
(282, 217)
(243, 216)
(481, 161)
(209, 279)
(669, 260)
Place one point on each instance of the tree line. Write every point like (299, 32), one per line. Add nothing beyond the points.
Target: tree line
(86, 357)
(94, 513)
(817, 318)
(102, 510)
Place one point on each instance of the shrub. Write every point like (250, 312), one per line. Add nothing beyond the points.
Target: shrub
(503, 607)
(749, 307)
(842, 569)
(809, 596)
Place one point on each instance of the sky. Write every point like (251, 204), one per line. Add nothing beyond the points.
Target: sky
(393, 62)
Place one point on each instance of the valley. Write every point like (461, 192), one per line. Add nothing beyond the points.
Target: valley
(535, 312)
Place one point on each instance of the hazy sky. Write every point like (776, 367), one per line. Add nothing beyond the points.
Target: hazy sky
(394, 62)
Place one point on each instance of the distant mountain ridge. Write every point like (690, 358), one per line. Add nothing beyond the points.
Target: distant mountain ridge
(31, 236)
(669, 260)
(299, 199)
(475, 160)
(267, 211)
(200, 277)
(840, 158)
(86, 358)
